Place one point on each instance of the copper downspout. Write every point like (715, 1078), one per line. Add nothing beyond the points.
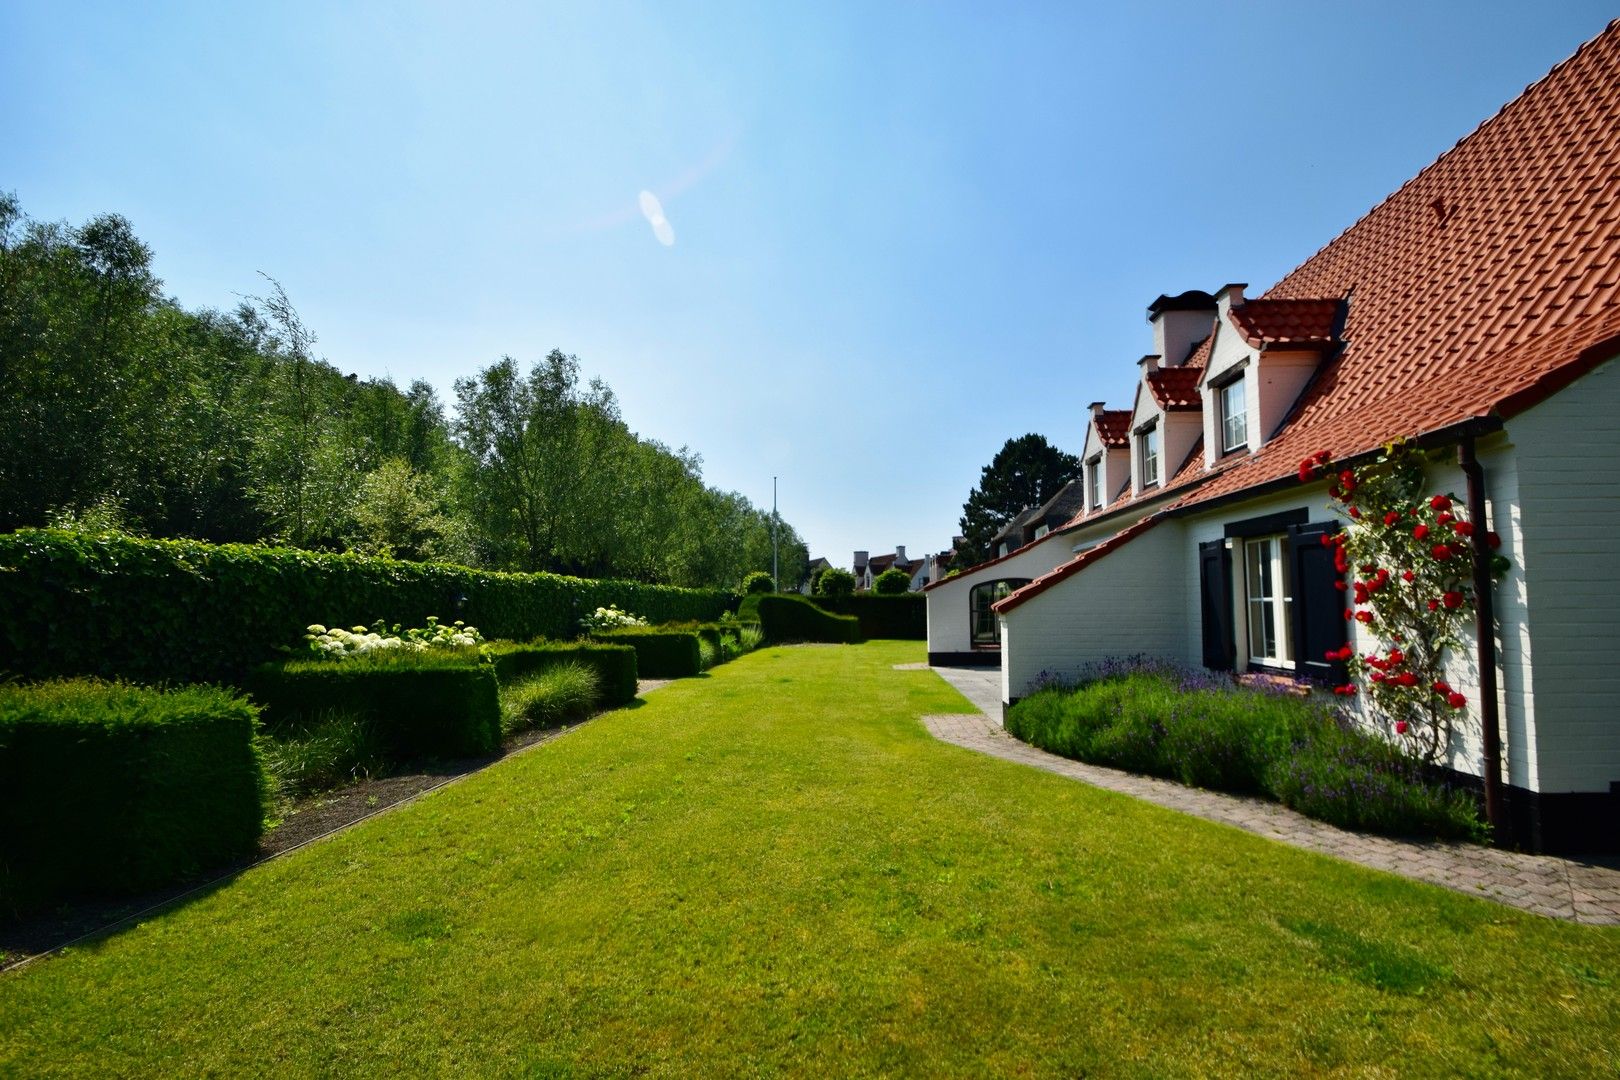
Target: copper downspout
(1485, 635)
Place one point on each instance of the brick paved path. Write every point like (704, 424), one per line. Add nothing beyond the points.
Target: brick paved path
(1560, 888)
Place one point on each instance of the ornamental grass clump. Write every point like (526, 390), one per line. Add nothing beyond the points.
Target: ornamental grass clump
(558, 695)
(322, 752)
(1204, 730)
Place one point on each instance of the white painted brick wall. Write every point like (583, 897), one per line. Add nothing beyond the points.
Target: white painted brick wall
(1129, 601)
(1568, 453)
(949, 619)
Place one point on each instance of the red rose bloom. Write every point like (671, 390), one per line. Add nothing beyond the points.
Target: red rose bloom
(1434, 605)
(1355, 513)
(1493, 540)
(1327, 539)
(1441, 551)
(1338, 583)
(1392, 517)
(1463, 528)
(1456, 700)
(1306, 469)
(1420, 533)
(1452, 599)
(1364, 616)
(1406, 678)
(1333, 491)
(1442, 687)
(1440, 502)
(1400, 727)
(1407, 575)
(1345, 691)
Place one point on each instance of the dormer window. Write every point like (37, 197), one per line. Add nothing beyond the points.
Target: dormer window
(1148, 454)
(1094, 482)
(1234, 416)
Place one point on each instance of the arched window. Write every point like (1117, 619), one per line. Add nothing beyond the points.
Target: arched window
(985, 627)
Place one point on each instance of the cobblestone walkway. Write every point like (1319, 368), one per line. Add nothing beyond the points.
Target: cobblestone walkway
(1559, 888)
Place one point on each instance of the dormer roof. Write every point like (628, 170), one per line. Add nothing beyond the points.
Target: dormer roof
(1269, 322)
(1114, 428)
(1176, 389)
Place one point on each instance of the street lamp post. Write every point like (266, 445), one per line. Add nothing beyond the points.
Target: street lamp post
(775, 582)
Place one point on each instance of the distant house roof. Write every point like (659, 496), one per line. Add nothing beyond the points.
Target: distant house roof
(1014, 527)
(1057, 510)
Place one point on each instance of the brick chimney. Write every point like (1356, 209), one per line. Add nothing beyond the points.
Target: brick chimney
(1180, 322)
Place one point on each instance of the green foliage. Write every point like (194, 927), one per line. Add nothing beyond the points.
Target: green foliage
(400, 513)
(709, 654)
(1183, 725)
(111, 788)
(614, 665)
(835, 581)
(750, 638)
(560, 694)
(122, 408)
(160, 610)
(660, 653)
(784, 617)
(758, 581)
(902, 617)
(436, 704)
(1026, 471)
(892, 582)
(323, 752)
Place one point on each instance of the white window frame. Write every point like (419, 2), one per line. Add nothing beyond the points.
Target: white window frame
(1267, 585)
(1147, 441)
(1094, 478)
(1227, 394)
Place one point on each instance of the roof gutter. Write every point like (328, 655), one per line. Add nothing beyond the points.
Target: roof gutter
(1485, 639)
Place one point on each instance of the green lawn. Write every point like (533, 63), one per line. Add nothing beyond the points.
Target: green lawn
(774, 870)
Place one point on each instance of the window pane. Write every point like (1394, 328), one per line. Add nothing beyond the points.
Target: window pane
(1234, 416)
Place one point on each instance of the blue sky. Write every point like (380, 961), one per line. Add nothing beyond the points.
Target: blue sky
(902, 233)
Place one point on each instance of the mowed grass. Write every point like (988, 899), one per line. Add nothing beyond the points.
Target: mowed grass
(775, 870)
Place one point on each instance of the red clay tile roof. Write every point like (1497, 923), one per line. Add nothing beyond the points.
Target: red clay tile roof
(1114, 427)
(990, 562)
(1268, 321)
(1199, 356)
(1176, 388)
(1485, 284)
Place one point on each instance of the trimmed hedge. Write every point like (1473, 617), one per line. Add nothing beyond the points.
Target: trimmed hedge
(660, 653)
(417, 704)
(904, 617)
(794, 618)
(185, 611)
(615, 665)
(111, 788)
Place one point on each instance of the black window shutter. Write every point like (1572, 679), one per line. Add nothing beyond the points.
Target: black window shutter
(1319, 626)
(1215, 591)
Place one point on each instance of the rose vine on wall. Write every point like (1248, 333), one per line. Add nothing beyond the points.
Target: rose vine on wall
(1407, 558)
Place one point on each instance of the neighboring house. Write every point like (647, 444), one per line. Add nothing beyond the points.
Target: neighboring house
(868, 567)
(1476, 310)
(939, 565)
(816, 565)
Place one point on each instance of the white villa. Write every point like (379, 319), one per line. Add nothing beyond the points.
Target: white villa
(1476, 311)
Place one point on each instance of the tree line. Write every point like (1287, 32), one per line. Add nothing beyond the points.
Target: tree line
(123, 409)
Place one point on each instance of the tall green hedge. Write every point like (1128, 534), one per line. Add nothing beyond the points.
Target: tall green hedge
(418, 705)
(793, 618)
(110, 788)
(904, 616)
(184, 611)
(660, 653)
(615, 665)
